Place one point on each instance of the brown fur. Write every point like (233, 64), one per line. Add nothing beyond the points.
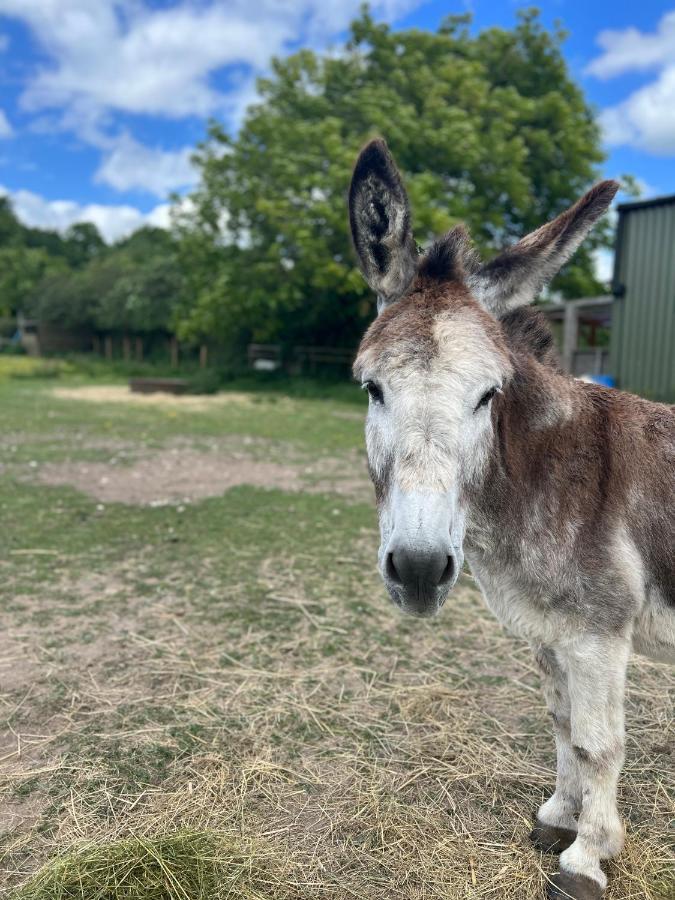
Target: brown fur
(610, 462)
(408, 325)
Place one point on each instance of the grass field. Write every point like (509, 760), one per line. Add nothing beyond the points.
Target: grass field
(205, 694)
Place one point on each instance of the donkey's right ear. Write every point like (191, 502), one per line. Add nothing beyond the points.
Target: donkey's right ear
(379, 216)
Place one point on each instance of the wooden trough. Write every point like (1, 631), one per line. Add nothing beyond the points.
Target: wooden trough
(158, 385)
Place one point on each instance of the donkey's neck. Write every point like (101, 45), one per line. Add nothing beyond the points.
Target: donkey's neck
(533, 479)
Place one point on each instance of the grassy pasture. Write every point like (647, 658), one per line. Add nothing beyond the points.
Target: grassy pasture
(204, 693)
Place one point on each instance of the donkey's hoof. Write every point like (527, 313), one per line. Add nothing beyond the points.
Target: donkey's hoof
(566, 886)
(550, 838)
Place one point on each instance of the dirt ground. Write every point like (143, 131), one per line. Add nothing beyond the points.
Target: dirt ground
(178, 475)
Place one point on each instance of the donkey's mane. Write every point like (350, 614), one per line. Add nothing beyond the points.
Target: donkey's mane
(527, 331)
(450, 258)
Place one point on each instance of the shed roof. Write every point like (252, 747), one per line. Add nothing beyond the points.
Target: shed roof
(645, 204)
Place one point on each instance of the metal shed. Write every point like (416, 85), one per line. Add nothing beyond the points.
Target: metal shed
(642, 351)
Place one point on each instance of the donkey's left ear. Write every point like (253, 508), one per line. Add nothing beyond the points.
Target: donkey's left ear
(379, 215)
(515, 277)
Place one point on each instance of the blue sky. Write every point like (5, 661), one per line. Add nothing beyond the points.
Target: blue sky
(102, 101)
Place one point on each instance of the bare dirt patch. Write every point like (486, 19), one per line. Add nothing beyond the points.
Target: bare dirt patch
(179, 475)
(171, 476)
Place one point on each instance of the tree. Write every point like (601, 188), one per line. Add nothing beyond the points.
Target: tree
(10, 227)
(142, 297)
(488, 129)
(83, 242)
(130, 287)
(32, 258)
(22, 269)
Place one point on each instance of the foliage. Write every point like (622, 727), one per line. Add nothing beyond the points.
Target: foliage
(488, 129)
(77, 281)
(132, 286)
(28, 256)
(21, 269)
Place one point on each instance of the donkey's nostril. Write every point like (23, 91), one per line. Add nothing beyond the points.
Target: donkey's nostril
(392, 572)
(448, 571)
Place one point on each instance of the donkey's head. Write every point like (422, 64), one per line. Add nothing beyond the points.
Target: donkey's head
(432, 363)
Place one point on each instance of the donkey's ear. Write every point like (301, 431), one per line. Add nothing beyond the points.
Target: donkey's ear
(515, 277)
(379, 216)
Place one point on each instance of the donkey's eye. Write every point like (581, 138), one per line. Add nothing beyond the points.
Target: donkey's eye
(485, 399)
(374, 391)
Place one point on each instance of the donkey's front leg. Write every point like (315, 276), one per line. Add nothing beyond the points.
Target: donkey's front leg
(596, 671)
(555, 827)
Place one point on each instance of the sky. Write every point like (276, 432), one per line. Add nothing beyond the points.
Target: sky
(103, 101)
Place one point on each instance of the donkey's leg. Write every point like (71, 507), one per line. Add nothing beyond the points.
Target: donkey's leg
(555, 827)
(596, 670)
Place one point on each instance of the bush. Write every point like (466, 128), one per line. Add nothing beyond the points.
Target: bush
(205, 381)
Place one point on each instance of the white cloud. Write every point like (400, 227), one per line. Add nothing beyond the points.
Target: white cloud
(123, 55)
(6, 129)
(631, 50)
(113, 222)
(646, 118)
(129, 165)
(133, 57)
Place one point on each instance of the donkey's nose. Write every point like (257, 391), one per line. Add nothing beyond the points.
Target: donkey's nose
(420, 571)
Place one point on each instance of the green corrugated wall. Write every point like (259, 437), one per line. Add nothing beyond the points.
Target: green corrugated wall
(642, 351)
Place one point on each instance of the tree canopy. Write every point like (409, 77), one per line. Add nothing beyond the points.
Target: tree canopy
(488, 129)
(29, 256)
(76, 280)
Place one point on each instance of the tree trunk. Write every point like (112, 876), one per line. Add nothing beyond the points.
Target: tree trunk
(203, 356)
(108, 344)
(126, 347)
(173, 347)
(139, 349)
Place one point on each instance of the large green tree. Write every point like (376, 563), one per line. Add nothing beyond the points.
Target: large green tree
(488, 129)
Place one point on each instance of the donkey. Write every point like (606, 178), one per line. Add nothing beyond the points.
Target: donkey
(560, 493)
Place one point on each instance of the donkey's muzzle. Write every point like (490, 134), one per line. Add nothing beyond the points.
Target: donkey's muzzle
(419, 579)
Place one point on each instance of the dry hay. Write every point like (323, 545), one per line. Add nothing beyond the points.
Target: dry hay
(333, 765)
(120, 393)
